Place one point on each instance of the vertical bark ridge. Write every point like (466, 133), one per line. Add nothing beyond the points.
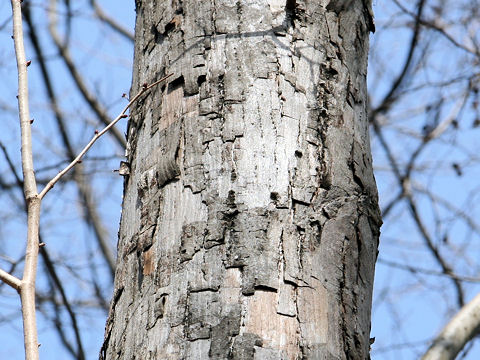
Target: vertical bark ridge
(250, 221)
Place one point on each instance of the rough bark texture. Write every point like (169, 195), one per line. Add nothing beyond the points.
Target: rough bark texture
(250, 220)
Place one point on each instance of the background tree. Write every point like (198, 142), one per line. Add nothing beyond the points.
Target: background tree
(424, 113)
(426, 51)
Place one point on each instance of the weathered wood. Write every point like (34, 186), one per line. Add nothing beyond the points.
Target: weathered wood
(250, 220)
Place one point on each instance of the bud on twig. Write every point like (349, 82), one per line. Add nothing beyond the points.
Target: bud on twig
(124, 168)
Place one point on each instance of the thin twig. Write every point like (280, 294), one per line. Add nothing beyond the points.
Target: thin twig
(84, 190)
(49, 266)
(420, 270)
(111, 22)
(434, 26)
(391, 96)
(91, 100)
(97, 135)
(433, 249)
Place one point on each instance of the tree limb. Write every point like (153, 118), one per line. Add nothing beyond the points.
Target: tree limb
(461, 329)
(11, 280)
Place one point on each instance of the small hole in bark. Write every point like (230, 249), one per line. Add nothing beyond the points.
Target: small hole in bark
(265, 288)
(201, 79)
(290, 6)
(169, 27)
(298, 153)
(333, 71)
(155, 33)
(175, 84)
(231, 197)
(274, 196)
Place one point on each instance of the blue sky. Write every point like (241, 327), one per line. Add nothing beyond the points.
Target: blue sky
(408, 308)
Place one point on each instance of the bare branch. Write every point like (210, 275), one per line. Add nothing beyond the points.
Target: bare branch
(24, 112)
(446, 268)
(55, 280)
(111, 22)
(91, 100)
(11, 280)
(416, 269)
(84, 190)
(461, 329)
(27, 290)
(434, 25)
(391, 96)
(97, 135)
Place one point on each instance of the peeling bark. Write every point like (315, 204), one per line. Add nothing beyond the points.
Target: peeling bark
(250, 221)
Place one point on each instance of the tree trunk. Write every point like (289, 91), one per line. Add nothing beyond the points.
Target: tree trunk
(250, 222)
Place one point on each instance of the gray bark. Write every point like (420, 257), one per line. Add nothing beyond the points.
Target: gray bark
(250, 222)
